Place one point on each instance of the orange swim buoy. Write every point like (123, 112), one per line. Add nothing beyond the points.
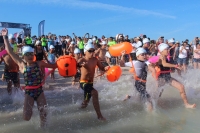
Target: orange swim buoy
(114, 73)
(66, 66)
(34, 58)
(116, 50)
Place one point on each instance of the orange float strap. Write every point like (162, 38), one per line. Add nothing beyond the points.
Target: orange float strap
(158, 72)
(38, 86)
(134, 73)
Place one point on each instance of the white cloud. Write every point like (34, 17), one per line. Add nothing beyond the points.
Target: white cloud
(98, 5)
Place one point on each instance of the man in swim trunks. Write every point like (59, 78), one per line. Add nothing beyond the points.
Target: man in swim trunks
(87, 66)
(165, 76)
(11, 70)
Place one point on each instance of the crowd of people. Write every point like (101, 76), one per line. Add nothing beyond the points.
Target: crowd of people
(93, 59)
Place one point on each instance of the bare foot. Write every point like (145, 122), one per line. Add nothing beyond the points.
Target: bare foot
(102, 118)
(84, 105)
(191, 106)
(127, 97)
(73, 83)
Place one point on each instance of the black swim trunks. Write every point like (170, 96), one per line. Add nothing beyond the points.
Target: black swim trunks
(87, 88)
(11, 76)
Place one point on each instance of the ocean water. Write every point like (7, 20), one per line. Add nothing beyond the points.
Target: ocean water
(65, 115)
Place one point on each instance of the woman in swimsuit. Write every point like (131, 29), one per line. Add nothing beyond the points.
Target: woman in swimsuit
(33, 77)
(39, 52)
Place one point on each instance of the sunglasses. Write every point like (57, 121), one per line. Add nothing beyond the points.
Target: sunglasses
(39, 45)
(29, 53)
(91, 50)
(143, 54)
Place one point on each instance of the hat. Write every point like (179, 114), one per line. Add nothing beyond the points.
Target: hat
(171, 41)
(177, 42)
(137, 37)
(103, 43)
(162, 46)
(145, 40)
(27, 49)
(76, 51)
(51, 47)
(88, 46)
(37, 42)
(140, 51)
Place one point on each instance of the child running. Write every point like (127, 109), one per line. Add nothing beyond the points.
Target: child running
(52, 59)
(140, 75)
(87, 65)
(165, 76)
(33, 79)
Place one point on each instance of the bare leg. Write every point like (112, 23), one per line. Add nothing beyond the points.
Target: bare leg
(9, 87)
(95, 100)
(2, 78)
(42, 107)
(181, 89)
(127, 97)
(199, 65)
(28, 107)
(85, 103)
(195, 65)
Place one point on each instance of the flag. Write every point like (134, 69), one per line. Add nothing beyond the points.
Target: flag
(41, 28)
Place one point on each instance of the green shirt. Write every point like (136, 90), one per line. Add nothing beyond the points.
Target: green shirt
(44, 41)
(81, 45)
(28, 40)
(111, 43)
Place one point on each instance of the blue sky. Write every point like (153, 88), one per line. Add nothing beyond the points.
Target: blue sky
(169, 18)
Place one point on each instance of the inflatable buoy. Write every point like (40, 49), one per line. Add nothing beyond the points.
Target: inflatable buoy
(116, 50)
(66, 66)
(154, 59)
(114, 73)
(34, 58)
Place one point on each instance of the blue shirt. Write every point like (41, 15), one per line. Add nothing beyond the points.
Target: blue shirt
(51, 58)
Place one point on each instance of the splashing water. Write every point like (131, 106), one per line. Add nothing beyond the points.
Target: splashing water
(65, 115)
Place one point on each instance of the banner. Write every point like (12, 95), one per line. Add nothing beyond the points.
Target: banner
(41, 28)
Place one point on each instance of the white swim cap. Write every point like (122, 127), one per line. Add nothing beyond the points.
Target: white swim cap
(145, 40)
(10, 36)
(37, 42)
(88, 46)
(93, 39)
(27, 49)
(51, 47)
(162, 46)
(76, 51)
(72, 42)
(103, 43)
(140, 51)
(171, 41)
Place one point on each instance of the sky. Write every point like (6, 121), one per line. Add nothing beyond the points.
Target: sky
(169, 18)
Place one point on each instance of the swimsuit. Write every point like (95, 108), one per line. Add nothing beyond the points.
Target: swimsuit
(11, 76)
(33, 77)
(39, 56)
(165, 73)
(87, 88)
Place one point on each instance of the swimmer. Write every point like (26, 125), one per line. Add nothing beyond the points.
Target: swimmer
(11, 71)
(165, 76)
(76, 78)
(87, 65)
(140, 70)
(101, 52)
(33, 78)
